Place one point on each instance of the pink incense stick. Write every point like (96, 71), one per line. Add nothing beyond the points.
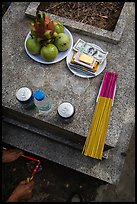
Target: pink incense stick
(111, 94)
(37, 166)
(36, 169)
(112, 87)
(109, 85)
(28, 157)
(104, 84)
(101, 90)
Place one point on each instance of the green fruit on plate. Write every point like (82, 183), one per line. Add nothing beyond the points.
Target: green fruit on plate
(62, 42)
(49, 52)
(59, 27)
(48, 34)
(33, 46)
(55, 34)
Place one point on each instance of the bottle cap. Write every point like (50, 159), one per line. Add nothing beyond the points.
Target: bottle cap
(39, 95)
(23, 94)
(66, 110)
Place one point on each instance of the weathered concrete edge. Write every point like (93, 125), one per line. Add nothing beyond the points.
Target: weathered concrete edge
(102, 34)
(45, 129)
(48, 130)
(41, 132)
(56, 156)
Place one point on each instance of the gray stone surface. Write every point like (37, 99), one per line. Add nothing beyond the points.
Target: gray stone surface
(19, 70)
(92, 31)
(16, 66)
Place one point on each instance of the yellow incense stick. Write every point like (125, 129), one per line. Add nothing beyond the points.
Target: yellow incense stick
(100, 128)
(104, 132)
(95, 136)
(93, 127)
(95, 141)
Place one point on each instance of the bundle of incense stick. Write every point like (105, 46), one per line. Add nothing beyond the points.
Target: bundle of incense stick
(36, 168)
(108, 85)
(95, 140)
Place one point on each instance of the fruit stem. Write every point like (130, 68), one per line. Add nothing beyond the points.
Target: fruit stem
(31, 36)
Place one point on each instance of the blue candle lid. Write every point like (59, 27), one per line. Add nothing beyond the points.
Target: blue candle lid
(39, 95)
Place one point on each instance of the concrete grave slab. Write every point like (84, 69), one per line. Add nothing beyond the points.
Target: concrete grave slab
(28, 72)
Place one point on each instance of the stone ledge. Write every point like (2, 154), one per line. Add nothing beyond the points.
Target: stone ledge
(101, 34)
(47, 130)
(54, 151)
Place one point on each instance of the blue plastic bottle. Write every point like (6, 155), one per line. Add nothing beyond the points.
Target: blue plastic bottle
(42, 102)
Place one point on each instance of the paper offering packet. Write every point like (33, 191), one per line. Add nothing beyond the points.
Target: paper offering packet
(100, 56)
(78, 65)
(91, 50)
(80, 43)
(85, 60)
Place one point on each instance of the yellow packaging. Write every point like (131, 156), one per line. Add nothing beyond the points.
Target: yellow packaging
(87, 59)
(95, 66)
(73, 57)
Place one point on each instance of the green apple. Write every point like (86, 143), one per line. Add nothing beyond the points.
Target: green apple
(59, 27)
(49, 52)
(62, 42)
(33, 46)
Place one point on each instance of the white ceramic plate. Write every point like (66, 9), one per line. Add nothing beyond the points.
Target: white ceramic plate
(80, 73)
(61, 55)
